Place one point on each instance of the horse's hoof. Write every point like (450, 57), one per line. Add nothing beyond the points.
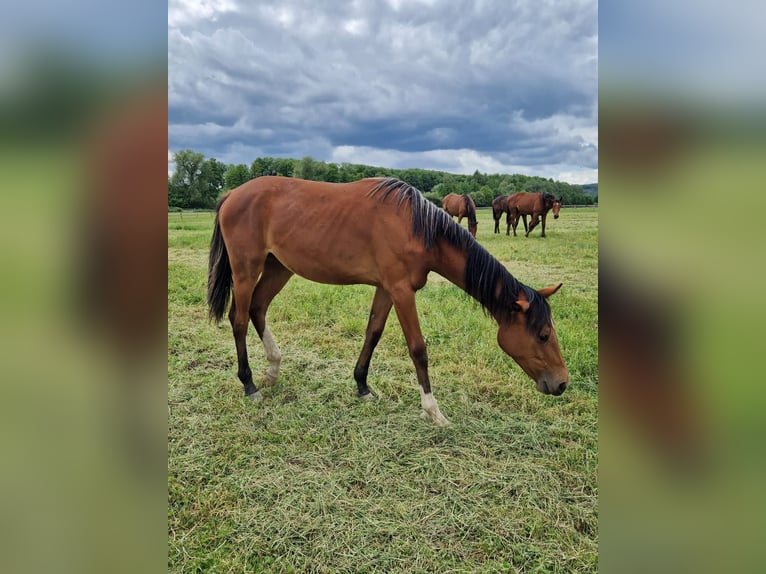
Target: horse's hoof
(439, 421)
(256, 396)
(268, 380)
(368, 397)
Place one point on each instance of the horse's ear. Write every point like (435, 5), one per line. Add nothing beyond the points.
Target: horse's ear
(548, 291)
(521, 305)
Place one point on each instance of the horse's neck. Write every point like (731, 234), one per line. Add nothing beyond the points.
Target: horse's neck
(450, 262)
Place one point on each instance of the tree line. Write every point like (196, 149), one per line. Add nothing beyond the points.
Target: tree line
(197, 182)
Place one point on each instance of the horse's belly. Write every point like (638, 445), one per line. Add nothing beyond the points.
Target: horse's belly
(336, 268)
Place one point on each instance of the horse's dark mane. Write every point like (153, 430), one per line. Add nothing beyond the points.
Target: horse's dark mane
(469, 209)
(548, 198)
(428, 221)
(483, 272)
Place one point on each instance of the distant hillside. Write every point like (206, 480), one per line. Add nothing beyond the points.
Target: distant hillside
(590, 189)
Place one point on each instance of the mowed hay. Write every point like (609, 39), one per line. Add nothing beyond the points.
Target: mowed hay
(311, 479)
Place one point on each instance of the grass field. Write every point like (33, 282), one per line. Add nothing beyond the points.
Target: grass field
(313, 480)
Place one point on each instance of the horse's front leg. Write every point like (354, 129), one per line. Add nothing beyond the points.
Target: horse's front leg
(542, 224)
(404, 303)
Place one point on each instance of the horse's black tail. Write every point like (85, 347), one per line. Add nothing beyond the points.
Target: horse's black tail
(469, 209)
(219, 273)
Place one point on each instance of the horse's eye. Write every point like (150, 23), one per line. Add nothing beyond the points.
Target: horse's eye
(543, 338)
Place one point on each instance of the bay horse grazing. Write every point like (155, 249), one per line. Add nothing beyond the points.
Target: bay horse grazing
(535, 204)
(379, 232)
(461, 206)
(500, 206)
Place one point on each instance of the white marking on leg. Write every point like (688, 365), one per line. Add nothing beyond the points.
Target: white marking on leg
(431, 408)
(273, 355)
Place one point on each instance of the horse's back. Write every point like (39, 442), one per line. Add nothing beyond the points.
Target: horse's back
(525, 203)
(454, 204)
(326, 232)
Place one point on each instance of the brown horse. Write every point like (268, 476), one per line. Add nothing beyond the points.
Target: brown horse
(500, 206)
(379, 232)
(461, 206)
(535, 204)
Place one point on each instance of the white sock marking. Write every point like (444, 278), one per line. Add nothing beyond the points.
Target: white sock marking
(273, 355)
(431, 408)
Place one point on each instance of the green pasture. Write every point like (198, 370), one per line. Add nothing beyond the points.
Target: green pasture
(311, 479)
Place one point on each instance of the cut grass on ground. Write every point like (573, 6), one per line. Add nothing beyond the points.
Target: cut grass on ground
(313, 480)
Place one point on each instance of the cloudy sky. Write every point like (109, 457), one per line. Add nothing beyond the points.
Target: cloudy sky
(501, 86)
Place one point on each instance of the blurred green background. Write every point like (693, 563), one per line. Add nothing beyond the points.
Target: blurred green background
(682, 148)
(82, 399)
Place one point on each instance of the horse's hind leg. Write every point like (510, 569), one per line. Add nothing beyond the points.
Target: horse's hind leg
(381, 306)
(532, 223)
(273, 279)
(239, 316)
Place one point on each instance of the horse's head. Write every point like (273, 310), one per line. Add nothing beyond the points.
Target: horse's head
(557, 207)
(473, 227)
(536, 352)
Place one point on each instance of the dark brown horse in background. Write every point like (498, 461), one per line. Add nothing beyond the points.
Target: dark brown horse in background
(461, 206)
(500, 206)
(535, 204)
(379, 232)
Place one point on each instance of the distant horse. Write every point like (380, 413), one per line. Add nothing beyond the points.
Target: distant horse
(375, 231)
(535, 204)
(461, 206)
(500, 206)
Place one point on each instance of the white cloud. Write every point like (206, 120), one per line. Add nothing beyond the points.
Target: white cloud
(578, 177)
(356, 27)
(187, 12)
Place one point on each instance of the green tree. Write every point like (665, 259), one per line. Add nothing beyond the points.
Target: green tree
(283, 166)
(174, 200)
(261, 166)
(483, 197)
(306, 168)
(185, 183)
(211, 182)
(236, 175)
(332, 173)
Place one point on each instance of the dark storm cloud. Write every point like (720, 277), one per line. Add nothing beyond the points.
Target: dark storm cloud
(513, 82)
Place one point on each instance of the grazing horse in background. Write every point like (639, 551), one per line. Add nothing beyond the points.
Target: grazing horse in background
(535, 204)
(500, 206)
(379, 232)
(461, 206)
